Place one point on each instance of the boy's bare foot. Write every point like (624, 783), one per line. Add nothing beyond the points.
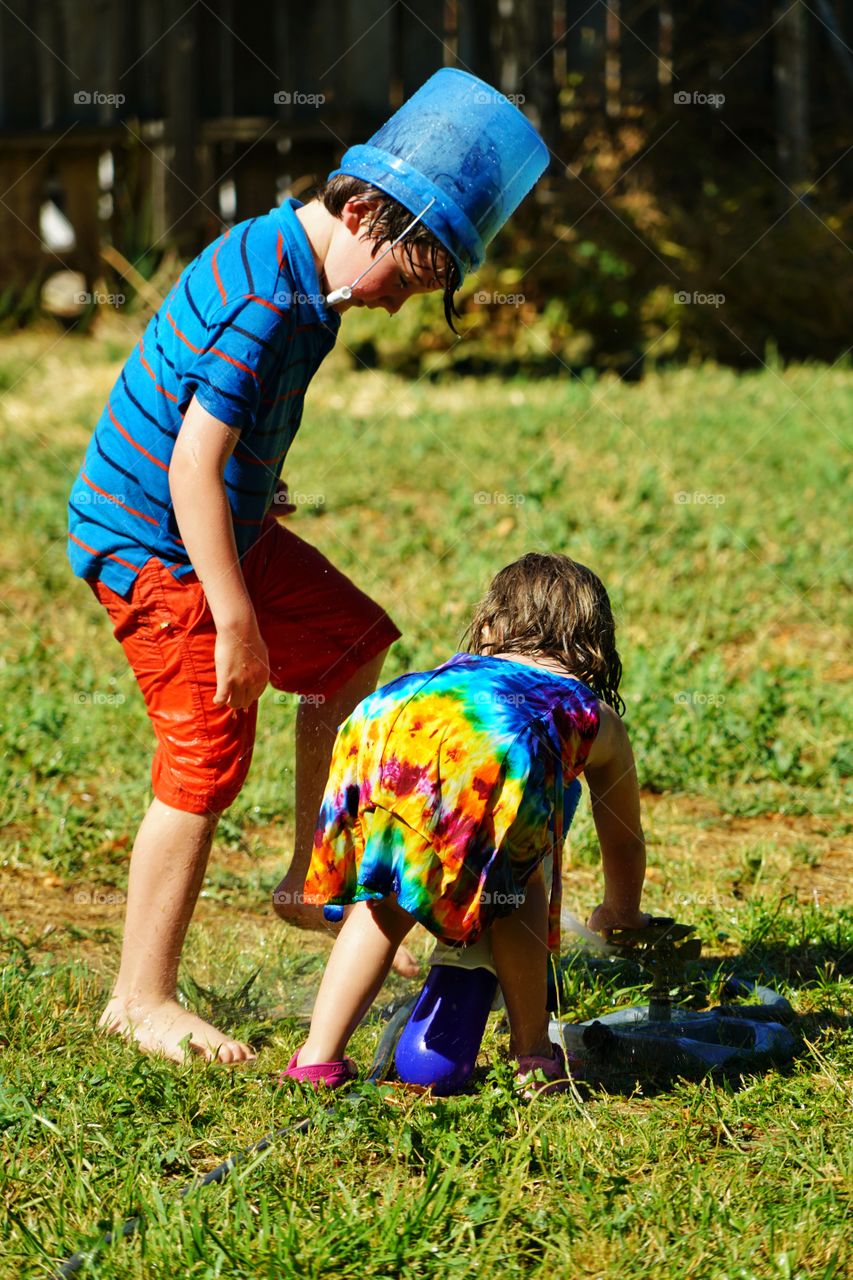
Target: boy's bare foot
(160, 1027)
(304, 916)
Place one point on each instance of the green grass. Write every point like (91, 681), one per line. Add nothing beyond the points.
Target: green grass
(699, 1179)
(730, 608)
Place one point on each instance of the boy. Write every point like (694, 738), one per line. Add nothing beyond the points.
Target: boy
(170, 515)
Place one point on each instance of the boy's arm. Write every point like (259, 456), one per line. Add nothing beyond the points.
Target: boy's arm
(201, 452)
(615, 796)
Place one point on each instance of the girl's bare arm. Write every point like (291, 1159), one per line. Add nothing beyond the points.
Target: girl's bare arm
(615, 795)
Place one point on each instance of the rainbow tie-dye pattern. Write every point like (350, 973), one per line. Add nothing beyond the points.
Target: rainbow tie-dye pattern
(446, 788)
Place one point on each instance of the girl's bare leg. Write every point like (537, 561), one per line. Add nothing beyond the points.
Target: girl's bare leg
(358, 965)
(520, 949)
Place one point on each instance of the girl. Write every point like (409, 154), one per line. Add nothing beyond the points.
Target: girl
(446, 795)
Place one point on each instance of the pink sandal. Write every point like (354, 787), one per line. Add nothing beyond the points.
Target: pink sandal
(555, 1070)
(334, 1075)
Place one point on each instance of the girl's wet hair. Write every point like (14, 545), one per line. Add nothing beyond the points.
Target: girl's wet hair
(389, 220)
(551, 606)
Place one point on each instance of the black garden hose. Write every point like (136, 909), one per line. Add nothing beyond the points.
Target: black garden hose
(397, 1017)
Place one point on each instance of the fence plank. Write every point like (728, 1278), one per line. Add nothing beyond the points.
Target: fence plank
(179, 154)
(421, 43)
(366, 66)
(640, 40)
(19, 104)
(585, 51)
(476, 26)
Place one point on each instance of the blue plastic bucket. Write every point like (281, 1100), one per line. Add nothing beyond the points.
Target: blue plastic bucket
(462, 145)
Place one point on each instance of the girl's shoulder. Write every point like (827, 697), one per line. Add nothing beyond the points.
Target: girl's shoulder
(533, 691)
(503, 670)
(538, 694)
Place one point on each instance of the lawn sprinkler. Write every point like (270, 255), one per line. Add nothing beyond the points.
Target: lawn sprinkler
(664, 1037)
(439, 1044)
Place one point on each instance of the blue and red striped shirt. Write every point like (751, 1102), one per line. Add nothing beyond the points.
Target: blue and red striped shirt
(244, 330)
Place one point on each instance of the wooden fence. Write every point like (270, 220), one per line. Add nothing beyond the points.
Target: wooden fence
(151, 123)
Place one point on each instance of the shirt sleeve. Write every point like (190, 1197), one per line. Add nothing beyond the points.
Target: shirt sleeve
(246, 339)
(575, 719)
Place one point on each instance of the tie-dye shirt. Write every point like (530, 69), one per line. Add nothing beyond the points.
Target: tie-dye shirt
(446, 788)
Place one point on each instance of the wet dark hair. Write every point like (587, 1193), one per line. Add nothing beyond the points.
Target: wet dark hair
(551, 606)
(389, 220)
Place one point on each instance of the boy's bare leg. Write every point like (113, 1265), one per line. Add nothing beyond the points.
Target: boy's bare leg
(166, 873)
(520, 950)
(358, 965)
(316, 728)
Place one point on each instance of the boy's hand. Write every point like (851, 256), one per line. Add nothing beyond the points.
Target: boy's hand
(242, 667)
(605, 919)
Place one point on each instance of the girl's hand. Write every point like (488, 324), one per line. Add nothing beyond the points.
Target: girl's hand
(605, 919)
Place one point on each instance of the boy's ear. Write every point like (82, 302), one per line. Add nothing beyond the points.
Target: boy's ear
(355, 213)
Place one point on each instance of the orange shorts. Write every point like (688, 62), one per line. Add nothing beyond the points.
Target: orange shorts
(319, 629)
